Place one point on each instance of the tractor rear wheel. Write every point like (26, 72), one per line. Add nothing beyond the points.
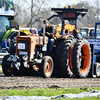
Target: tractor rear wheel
(63, 57)
(46, 68)
(7, 70)
(81, 58)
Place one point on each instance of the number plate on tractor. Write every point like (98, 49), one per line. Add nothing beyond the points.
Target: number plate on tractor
(21, 46)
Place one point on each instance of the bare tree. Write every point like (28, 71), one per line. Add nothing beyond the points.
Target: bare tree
(90, 16)
(97, 4)
(36, 12)
(27, 12)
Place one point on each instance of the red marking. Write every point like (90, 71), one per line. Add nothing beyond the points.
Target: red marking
(64, 14)
(71, 15)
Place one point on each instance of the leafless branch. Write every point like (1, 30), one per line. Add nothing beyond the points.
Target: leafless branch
(35, 14)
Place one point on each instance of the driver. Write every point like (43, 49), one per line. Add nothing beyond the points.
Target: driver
(49, 34)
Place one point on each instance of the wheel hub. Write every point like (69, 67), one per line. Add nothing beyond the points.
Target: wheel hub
(47, 67)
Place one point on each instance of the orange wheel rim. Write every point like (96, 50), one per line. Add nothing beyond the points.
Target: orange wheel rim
(70, 57)
(48, 67)
(86, 57)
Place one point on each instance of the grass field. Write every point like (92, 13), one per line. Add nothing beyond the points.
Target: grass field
(50, 92)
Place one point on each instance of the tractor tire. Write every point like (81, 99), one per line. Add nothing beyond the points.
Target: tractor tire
(63, 54)
(16, 72)
(81, 58)
(6, 6)
(24, 71)
(46, 68)
(7, 70)
(97, 69)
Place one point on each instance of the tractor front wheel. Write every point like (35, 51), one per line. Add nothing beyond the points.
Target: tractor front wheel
(46, 68)
(7, 70)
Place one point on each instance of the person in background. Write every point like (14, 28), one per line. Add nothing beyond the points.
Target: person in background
(5, 45)
(76, 34)
(66, 32)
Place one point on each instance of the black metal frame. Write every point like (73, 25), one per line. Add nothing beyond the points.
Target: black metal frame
(60, 12)
(60, 18)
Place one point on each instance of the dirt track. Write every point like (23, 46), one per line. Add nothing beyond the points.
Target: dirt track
(29, 82)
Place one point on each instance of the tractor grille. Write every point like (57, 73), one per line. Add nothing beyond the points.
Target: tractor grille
(23, 48)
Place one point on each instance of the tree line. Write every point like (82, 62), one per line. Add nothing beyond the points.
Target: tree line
(31, 13)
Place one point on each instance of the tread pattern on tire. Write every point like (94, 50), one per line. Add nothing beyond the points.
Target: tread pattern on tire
(62, 57)
(42, 67)
(75, 58)
(4, 67)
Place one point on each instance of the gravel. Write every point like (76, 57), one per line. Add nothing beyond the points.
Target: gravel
(33, 82)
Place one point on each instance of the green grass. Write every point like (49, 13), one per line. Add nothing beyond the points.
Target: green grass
(49, 92)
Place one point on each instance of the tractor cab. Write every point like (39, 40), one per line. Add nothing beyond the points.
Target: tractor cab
(6, 15)
(5, 25)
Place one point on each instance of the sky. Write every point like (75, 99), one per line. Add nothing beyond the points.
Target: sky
(64, 2)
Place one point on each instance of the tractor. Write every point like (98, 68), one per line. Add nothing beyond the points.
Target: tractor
(6, 16)
(70, 57)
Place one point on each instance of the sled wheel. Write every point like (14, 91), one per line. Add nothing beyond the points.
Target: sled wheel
(46, 68)
(7, 70)
(81, 58)
(97, 69)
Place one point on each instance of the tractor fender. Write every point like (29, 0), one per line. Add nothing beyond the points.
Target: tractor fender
(64, 36)
(11, 33)
(14, 34)
(6, 34)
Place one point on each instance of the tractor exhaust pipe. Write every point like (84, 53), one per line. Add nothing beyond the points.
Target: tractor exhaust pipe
(44, 32)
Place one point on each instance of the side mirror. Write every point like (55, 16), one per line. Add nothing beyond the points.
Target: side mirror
(7, 27)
